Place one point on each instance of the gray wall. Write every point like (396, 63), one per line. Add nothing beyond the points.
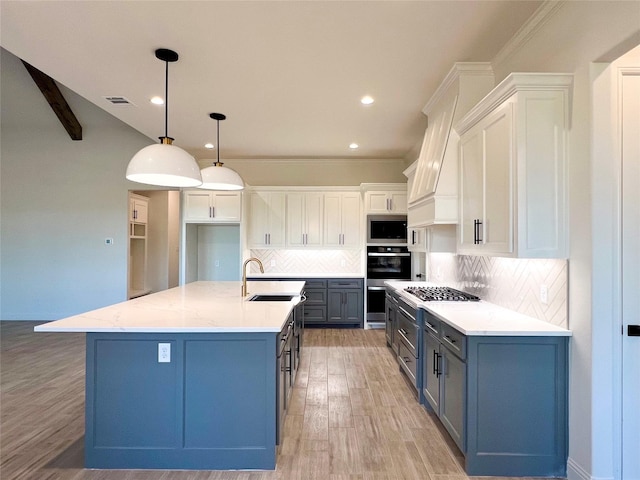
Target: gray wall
(59, 200)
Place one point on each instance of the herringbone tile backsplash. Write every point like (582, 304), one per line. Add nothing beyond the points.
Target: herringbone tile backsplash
(511, 283)
(325, 262)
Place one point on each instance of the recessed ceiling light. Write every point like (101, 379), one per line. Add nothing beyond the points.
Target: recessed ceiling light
(157, 100)
(353, 146)
(208, 145)
(366, 100)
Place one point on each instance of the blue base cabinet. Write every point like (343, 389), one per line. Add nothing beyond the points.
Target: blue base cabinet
(211, 407)
(517, 406)
(503, 399)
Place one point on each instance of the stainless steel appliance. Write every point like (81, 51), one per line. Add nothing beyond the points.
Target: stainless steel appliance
(384, 262)
(386, 229)
(441, 294)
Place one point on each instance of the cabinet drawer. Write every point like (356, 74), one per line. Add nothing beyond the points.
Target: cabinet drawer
(453, 340)
(408, 363)
(315, 314)
(408, 332)
(431, 324)
(346, 283)
(315, 297)
(315, 283)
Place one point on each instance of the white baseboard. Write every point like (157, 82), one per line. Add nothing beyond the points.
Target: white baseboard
(576, 472)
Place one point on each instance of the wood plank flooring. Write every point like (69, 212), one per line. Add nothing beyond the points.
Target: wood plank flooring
(353, 416)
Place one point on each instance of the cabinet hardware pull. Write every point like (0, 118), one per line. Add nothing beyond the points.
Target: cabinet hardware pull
(213, 212)
(439, 365)
(405, 359)
(435, 363)
(269, 237)
(451, 342)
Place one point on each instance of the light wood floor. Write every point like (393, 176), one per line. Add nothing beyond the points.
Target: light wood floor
(352, 417)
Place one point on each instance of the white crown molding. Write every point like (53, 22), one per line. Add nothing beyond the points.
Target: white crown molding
(458, 69)
(515, 82)
(547, 10)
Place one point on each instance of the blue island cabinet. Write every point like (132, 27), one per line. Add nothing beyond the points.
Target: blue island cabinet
(212, 406)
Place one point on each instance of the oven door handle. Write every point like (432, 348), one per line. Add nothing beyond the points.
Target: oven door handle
(388, 254)
(377, 289)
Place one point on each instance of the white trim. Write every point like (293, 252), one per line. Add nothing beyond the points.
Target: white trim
(458, 69)
(576, 472)
(547, 10)
(515, 82)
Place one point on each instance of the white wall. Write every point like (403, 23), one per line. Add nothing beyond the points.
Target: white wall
(317, 172)
(578, 34)
(60, 199)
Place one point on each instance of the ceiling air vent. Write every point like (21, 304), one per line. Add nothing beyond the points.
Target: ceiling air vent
(117, 100)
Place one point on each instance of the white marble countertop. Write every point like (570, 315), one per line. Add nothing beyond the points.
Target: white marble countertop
(199, 307)
(480, 318)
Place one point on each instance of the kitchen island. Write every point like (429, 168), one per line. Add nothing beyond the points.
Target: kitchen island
(183, 379)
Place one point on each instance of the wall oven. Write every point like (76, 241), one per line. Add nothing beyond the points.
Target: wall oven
(384, 262)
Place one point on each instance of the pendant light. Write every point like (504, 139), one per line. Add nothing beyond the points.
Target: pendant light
(164, 164)
(217, 177)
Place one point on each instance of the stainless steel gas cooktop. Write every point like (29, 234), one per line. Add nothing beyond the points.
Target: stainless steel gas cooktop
(440, 294)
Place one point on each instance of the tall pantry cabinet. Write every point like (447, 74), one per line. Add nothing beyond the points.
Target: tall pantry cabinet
(138, 216)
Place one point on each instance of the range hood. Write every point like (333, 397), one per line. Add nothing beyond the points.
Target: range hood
(433, 178)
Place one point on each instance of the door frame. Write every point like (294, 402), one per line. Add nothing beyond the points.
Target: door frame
(607, 235)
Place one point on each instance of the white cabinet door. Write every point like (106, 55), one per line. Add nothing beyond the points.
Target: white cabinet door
(377, 202)
(486, 162)
(267, 220)
(416, 239)
(342, 220)
(314, 203)
(227, 206)
(351, 220)
(304, 219)
(138, 209)
(210, 207)
(333, 219)
(471, 189)
(497, 223)
(296, 227)
(197, 206)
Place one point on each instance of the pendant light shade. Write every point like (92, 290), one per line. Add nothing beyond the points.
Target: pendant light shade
(218, 177)
(164, 164)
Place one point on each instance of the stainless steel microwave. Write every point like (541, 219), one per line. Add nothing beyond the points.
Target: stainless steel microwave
(386, 229)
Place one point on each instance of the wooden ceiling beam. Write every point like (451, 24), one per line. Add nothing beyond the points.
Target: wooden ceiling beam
(59, 105)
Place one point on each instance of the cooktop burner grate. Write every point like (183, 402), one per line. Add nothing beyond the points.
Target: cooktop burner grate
(441, 294)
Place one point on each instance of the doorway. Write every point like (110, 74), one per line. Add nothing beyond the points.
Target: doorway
(629, 102)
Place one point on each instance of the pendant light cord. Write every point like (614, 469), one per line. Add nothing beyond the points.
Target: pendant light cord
(218, 139)
(166, 99)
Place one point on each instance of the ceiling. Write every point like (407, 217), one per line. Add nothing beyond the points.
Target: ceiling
(288, 75)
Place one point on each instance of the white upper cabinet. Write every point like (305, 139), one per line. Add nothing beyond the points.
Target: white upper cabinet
(267, 219)
(513, 169)
(204, 206)
(138, 208)
(304, 219)
(342, 220)
(392, 199)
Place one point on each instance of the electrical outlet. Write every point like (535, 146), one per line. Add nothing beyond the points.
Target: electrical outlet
(164, 353)
(217, 263)
(544, 294)
(108, 241)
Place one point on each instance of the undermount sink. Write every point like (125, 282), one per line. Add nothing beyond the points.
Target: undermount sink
(271, 298)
